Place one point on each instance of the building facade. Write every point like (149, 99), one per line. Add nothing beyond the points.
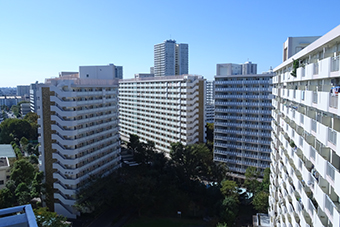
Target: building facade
(305, 177)
(78, 134)
(23, 90)
(163, 110)
(210, 101)
(33, 97)
(170, 58)
(242, 121)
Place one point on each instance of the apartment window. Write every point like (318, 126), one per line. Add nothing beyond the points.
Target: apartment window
(332, 136)
(301, 141)
(330, 171)
(314, 125)
(312, 153)
(302, 95)
(293, 113)
(301, 118)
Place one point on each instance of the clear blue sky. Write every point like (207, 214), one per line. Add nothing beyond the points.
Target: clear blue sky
(38, 39)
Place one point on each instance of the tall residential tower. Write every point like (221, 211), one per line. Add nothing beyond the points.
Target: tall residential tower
(170, 58)
(242, 117)
(78, 134)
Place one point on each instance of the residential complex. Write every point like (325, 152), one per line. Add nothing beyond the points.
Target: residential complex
(210, 101)
(163, 109)
(78, 134)
(23, 90)
(242, 118)
(170, 58)
(305, 175)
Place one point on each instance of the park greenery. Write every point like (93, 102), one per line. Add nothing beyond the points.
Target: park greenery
(25, 184)
(187, 181)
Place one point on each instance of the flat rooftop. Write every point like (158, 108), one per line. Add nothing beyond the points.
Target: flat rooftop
(6, 150)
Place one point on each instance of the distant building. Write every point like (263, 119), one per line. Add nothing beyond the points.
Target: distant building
(170, 58)
(33, 96)
(10, 100)
(103, 71)
(242, 118)
(25, 109)
(210, 101)
(23, 90)
(164, 110)
(236, 69)
(79, 137)
(144, 75)
(7, 156)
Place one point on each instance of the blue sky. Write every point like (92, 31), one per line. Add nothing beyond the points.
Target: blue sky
(38, 39)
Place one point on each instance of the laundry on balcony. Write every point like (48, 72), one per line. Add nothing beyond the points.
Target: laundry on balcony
(335, 90)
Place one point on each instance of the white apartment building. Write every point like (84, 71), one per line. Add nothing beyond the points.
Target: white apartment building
(242, 118)
(170, 58)
(164, 110)
(79, 134)
(305, 177)
(210, 101)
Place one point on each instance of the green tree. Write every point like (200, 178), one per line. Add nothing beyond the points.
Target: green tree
(251, 182)
(229, 210)
(266, 180)
(22, 193)
(22, 172)
(210, 132)
(229, 189)
(134, 142)
(31, 117)
(13, 129)
(260, 201)
(7, 199)
(45, 218)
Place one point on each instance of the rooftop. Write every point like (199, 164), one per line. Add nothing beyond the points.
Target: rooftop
(6, 150)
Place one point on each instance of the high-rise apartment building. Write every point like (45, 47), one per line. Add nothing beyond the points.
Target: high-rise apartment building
(242, 118)
(23, 90)
(164, 110)
(33, 96)
(305, 176)
(170, 58)
(210, 101)
(79, 134)
(236, 69)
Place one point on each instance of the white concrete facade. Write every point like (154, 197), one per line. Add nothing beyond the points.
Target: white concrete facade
(242, 121)
(305, 176)
(78, 133)
(163, 110)
(210, 101)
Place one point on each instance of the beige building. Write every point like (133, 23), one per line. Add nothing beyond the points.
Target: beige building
(78, 118)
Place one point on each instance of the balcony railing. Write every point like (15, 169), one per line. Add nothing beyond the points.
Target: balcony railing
(335, 64)
(316, 68)
(314, 125)
(333, 101)
(315, 97)
(332, 136)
